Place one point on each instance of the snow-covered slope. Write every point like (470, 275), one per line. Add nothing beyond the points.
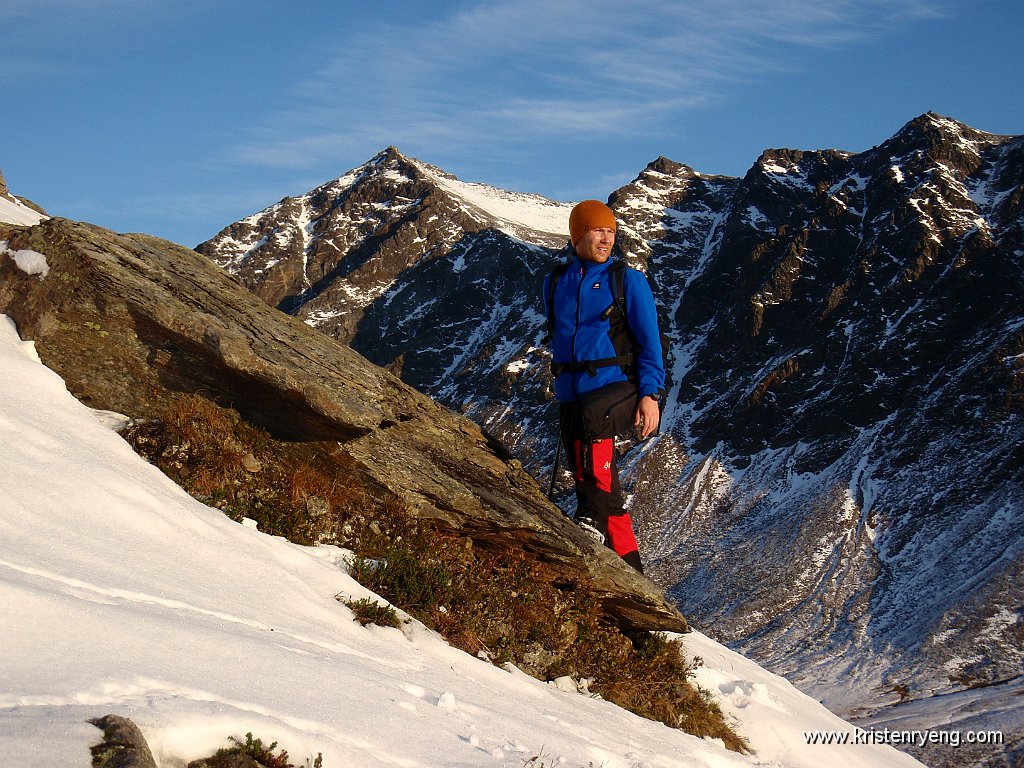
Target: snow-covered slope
(123, 595)
(13, 211)
(517, 214)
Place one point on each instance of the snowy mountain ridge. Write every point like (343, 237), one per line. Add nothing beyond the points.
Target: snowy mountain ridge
(338, 249)
(519, 214)
(846, 347)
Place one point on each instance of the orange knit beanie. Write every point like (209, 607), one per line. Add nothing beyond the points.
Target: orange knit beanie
(590, 214)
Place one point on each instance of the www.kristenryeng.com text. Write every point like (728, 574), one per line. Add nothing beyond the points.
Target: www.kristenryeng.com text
(898, 738)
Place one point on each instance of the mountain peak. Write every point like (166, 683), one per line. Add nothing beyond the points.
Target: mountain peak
(933, 126)
(390, 155)
(503, 209)
(670, 167)
(942, 139)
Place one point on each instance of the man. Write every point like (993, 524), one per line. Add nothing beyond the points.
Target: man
(607, 363)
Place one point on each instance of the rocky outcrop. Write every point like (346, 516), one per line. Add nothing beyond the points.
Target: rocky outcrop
(132, 322)
(123, 745)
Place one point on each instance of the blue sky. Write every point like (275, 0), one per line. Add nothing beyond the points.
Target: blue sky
(176, 118)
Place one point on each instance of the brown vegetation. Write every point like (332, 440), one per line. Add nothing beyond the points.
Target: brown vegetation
(500, 605)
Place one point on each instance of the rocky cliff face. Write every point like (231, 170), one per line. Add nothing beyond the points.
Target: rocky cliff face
(132, 322)
(837, 484)
(846, 392)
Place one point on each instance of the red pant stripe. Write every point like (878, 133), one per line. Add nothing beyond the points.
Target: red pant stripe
(620, 534)
(601, 455)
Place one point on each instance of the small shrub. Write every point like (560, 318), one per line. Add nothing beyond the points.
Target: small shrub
(254, 749)
(420, 584)
(369, 611)
(263, 755)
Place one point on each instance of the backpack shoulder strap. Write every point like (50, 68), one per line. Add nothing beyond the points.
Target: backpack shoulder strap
(553, 277)
(619, 286)
(619, 298)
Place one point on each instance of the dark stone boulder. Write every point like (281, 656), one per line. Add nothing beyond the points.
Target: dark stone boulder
(123, 745)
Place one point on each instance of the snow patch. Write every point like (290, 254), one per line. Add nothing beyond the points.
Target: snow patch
(16, 212)
(517, 209)
(31, 262)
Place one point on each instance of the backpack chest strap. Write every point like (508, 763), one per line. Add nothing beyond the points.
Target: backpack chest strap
(589, 366)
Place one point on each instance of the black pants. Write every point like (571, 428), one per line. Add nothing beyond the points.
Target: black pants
(589, 427)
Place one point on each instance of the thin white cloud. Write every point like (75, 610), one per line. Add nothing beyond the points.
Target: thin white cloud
(581, 116)
(515, 72)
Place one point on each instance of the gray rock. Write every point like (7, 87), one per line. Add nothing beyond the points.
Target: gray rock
(123, 745)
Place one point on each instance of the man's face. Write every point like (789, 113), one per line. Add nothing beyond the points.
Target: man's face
(596, 244)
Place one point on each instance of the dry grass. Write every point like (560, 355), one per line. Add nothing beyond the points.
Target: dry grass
(307, 492)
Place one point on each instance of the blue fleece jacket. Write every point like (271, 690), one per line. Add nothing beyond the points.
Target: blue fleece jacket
(582, 294)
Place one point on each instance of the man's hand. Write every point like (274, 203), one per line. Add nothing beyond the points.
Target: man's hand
(648, 415)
